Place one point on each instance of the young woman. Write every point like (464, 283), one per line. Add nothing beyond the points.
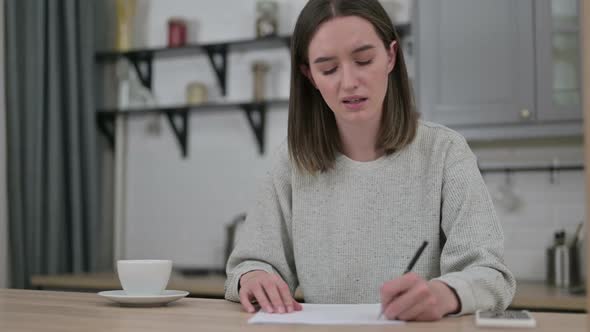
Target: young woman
(361, 183)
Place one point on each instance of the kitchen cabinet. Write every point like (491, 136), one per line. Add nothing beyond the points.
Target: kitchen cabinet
(557, 41)
(499, 68)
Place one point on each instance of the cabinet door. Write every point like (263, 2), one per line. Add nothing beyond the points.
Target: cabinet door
(557, 24)
(475, 61)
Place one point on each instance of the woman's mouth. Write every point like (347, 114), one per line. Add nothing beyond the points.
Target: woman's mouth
(355, 103)
(354, 100)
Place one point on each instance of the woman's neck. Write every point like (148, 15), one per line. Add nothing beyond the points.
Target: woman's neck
(359, 141)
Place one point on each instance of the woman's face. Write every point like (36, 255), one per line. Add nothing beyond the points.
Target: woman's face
(349, 66)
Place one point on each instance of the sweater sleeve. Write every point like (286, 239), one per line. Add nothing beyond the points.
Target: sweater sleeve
(472, 258)
(264, 242)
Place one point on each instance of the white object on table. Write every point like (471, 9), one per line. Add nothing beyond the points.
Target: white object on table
(508, 318)
(327, 314)
(124, 299)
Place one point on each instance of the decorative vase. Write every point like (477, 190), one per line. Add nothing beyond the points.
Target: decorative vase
(125, 13)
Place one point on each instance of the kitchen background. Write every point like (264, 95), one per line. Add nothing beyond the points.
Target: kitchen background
(178, 208)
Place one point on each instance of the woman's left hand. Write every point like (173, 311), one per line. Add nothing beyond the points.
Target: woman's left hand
(410, 297)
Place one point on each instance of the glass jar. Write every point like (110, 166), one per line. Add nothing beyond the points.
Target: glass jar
(176, 32)
(125, 13)
(196, 93)
(259, 69)
(266, 18)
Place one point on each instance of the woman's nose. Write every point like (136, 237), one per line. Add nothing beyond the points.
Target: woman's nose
(349, 78)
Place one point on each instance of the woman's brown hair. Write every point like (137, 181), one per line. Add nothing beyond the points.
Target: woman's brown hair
(312, 132)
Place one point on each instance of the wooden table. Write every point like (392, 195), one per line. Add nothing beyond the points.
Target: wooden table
(25, 310)
(530, 295)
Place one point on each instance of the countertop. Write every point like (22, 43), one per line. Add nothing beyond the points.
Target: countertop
(532, 295)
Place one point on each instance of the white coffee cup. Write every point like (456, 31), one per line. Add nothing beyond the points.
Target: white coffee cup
(144, 276)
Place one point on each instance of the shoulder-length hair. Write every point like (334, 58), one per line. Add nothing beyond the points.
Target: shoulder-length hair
(313, 137)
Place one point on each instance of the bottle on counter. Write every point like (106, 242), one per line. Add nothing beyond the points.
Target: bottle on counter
(575, 259)
(562, 261)
(550, 261)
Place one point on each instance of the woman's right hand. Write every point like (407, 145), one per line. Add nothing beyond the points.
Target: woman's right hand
(269, 290)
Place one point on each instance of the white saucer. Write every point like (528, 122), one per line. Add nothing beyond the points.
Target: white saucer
(124, 299)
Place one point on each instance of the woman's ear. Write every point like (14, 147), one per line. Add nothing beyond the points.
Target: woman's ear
(391, 53)
(307, 73)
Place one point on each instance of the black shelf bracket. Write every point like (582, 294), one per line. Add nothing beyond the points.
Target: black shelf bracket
(180, 131)
(218, 57)
(143, 66)
(257, 125)
(106, 124)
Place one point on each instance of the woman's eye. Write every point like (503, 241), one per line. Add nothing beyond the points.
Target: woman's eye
(364, 63)
(328, 72)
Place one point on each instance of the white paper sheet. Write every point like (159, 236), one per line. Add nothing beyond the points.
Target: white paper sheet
(327, 314)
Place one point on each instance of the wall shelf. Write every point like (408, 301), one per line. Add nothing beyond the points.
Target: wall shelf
(216, 52)
(142, 60)
(255, 114)
(195, 49)
(402, 30)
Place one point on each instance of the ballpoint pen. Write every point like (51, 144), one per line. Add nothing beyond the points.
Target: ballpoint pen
(409, 268)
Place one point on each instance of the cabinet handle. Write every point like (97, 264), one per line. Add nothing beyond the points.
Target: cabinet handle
(525, 114)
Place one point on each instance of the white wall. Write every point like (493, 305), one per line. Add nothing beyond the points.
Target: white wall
(3, 214)
(178, 208)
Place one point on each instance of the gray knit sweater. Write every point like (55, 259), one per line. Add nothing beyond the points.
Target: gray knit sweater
(340, 234)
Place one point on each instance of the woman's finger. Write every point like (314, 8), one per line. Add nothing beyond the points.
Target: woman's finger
(245, 297)
(297, 306)
(285, 293)
(260, 296)
(417, 310)
(419, 292)
(396, 287)
(270, 287)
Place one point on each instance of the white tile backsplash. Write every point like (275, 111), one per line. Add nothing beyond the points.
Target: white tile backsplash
(544, 207)
(526, 264)
(527, 239)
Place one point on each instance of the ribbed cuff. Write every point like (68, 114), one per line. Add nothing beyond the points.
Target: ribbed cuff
(464, 292)
(233, 279)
